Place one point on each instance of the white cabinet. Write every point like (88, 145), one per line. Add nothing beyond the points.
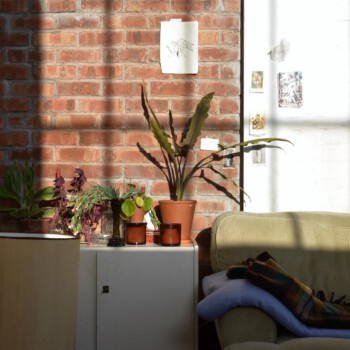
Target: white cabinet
(138, 298)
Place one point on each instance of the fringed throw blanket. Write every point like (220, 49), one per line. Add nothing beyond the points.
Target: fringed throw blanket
(267, 274)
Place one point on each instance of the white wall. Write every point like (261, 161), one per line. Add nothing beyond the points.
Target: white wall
(314, 174)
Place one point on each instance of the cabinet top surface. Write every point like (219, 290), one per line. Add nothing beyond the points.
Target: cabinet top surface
(149, 247)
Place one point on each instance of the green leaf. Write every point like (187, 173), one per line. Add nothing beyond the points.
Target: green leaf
(254, 142)
(162, 137)
(197, 121)
(128, 207)
(157, 129)
(139, 201)
(172, 132)
(47, 212)
(6, 194)
(223, 176)
(45, 194)
(147, 204)
(41, 212)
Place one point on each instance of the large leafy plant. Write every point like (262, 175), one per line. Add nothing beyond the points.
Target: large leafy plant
(25, 201)
(175, 148)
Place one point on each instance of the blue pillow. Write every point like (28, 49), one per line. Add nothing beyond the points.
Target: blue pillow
(223, 294)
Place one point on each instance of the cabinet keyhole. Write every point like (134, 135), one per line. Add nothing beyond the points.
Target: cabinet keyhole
(105, 289)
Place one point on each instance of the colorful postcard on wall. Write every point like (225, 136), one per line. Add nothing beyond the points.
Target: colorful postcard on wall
(257, 81)
(257, 123)
(179, 47)
(290, 89)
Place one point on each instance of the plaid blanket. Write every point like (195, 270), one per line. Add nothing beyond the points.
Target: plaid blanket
(267, 274)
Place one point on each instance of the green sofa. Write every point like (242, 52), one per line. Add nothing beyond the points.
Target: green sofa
(312, 246)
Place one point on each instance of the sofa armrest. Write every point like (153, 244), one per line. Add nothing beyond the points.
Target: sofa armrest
(244, 324)
(295, 344)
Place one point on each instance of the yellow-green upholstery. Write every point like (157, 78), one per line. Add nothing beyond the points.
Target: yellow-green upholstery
(312, 246)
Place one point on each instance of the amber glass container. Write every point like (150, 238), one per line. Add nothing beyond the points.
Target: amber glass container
(170, 234)
(135, 232)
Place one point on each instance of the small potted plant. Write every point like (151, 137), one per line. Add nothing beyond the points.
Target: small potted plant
(134, 208)
(31, 207)
(174, 163)
(133, 211)
(61, 221)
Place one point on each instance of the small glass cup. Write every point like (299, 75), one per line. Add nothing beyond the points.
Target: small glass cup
(170, 234)
(100, 239)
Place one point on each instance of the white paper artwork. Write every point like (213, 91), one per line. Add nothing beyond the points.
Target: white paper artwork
(179, 47)
(290, 89)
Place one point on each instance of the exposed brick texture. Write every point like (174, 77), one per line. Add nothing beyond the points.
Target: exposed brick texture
(70, 80)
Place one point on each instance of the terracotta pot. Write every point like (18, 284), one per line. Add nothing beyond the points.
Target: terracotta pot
(181, 212)
(138, 216)
(135, 232)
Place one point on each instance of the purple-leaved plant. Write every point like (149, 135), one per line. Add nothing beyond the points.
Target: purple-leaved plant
(64, 210)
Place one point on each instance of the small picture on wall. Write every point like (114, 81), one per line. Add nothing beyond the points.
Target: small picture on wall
(257, 82)
(257, 123)
(259, 156)
(229, 154)
(290, 90)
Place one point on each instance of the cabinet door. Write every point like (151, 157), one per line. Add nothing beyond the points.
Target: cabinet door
(150, 300)
(86, 313)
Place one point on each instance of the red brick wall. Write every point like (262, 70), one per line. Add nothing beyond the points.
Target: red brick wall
(70, 87)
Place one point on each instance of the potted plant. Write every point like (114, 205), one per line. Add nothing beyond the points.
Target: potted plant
(176, 148)
(31, 207)
(98, 196)
(61, 221)
(134, 208)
